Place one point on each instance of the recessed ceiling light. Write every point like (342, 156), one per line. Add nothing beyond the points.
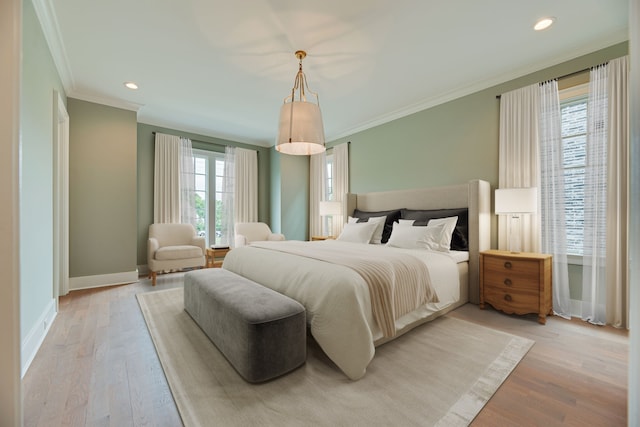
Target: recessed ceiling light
(543, 24)
(131, 85)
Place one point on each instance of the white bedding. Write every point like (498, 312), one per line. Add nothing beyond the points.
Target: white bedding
(337, 298)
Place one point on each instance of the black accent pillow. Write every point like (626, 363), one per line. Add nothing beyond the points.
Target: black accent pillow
(460, 237)
(392, 216)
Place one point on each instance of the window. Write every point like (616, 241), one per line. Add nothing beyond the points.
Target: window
(328, 221)
(329, 186)
(574, 141)
(208, 170)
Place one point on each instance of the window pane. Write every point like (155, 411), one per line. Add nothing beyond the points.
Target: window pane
(201, 183)
(574, 118)
(200, 166)
(574, 209)
(219, 167)
(574, 152)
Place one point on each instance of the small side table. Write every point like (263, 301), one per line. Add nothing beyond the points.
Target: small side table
(316, 238)
(216, 252)
(516, 283)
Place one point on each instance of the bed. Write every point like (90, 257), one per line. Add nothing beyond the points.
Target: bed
(342, 307)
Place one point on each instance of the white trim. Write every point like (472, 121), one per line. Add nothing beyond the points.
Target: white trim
(479, 86)
(60, 198)
(49, 23)
(111, 102)
(574, 259)
(100, 280)
(34, 339)
(143, 270)
(182, 127)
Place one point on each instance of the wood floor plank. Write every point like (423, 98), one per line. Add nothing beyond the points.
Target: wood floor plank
(98, 367)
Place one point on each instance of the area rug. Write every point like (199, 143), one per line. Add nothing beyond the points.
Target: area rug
(440, 374)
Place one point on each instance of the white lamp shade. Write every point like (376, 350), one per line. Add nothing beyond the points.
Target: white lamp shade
(328, 208)
(516, 200)
(301, 131)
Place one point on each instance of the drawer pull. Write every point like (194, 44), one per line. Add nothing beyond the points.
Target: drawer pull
(508, 282)
(508, 265)
(507, 297)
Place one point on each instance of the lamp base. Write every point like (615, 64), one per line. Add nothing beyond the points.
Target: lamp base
(514, 234)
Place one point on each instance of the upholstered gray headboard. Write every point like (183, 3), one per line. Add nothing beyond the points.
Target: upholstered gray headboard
(474, 195)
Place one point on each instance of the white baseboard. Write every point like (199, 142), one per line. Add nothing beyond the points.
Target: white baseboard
(87, 282)
(36, 335)
(143, 270)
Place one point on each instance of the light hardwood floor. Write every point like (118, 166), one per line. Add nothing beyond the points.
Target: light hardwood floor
(98, 367)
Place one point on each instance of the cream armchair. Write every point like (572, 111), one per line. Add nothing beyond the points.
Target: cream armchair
(173, 247)
(247, 232)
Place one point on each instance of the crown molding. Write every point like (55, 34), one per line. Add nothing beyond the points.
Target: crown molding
(168, 124)
(478, 86)
(111, 102)
(49, 23)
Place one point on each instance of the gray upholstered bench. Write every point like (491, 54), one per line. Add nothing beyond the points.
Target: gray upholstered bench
(261, 332)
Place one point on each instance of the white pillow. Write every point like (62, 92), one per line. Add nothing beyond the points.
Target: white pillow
(449, 224)
(357, 232)
(406, 222)
(377, 233)
(420, 237)
(379, 221)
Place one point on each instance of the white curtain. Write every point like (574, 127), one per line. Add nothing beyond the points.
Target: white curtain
(172, 184)
(228, 191)
(187, 202)
(340, 183)
(317, 191)
(552, 200)
(240, 183)
(519, 158)
(618, 194)
(604, 274)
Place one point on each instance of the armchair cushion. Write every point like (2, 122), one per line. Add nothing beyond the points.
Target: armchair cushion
(178, 252)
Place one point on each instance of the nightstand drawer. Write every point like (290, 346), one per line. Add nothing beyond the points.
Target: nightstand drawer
(512, 280)
(516, 301)
(524, 269)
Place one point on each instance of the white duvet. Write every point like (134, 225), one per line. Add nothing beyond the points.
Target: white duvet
(336, 298)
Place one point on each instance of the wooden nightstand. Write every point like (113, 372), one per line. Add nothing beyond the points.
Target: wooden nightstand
(516, 283)
(314, 238)
(216, 252)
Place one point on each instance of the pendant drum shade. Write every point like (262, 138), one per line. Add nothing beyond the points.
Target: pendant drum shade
(300, 130)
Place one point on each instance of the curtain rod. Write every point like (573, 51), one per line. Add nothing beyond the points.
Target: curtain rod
(565, 76)
(204, 142)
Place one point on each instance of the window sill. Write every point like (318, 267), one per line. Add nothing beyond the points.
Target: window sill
(574, 259)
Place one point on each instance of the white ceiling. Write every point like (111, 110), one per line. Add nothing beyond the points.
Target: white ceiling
(222, 68)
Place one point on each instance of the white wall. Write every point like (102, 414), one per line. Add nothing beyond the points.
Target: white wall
(10, 43)
(39, 82)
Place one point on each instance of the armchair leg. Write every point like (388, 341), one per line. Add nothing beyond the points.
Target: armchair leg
(154, 275)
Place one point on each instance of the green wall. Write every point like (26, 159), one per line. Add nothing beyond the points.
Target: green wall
(290, 195)
(39, 81)
(145, 162)
(102, 189)
(450, 143)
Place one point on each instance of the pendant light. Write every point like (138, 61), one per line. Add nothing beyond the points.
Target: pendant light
(300, 131)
